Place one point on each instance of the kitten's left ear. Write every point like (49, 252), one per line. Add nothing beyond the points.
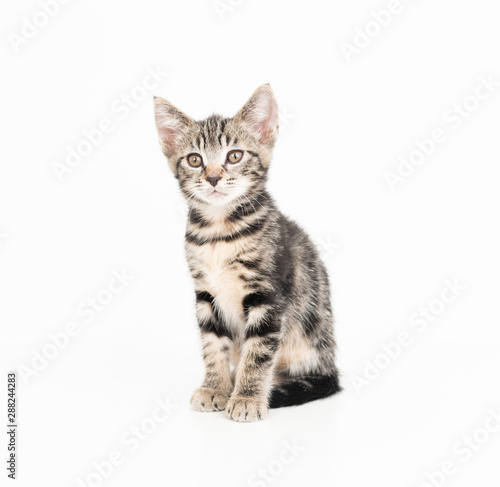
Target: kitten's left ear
(172, 125)
(260, 115)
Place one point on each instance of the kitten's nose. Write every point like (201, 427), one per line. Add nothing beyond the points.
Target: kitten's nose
(213, 179)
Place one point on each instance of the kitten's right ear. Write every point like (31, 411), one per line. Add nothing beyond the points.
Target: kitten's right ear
(172, 125)
(260, 115)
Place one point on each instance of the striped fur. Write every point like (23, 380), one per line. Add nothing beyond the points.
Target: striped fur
(262, 292)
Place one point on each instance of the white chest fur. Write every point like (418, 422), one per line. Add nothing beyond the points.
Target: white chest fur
(220, 279)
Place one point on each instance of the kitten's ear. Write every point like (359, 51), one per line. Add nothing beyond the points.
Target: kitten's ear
(260, 115)
(172, 125)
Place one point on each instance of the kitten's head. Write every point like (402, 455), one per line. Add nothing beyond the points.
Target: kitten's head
(219, 161)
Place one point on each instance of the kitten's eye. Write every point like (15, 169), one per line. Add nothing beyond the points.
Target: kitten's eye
(195, 160)
(234, 156)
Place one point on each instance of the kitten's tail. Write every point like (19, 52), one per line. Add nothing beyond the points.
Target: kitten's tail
(294, 391)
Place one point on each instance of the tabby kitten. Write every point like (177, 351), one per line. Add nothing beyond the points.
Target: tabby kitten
(262, 292)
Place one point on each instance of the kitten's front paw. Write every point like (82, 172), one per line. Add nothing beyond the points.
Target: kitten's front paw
(248, 409)
(205, 399)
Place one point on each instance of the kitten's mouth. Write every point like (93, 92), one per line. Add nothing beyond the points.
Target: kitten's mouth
(216, 194)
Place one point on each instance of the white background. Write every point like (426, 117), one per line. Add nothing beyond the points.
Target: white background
(344, 125)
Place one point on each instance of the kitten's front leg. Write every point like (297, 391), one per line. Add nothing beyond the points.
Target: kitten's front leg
(249, 400)
(214, 393)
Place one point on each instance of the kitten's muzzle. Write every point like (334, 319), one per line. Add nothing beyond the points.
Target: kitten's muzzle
(213, 179)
